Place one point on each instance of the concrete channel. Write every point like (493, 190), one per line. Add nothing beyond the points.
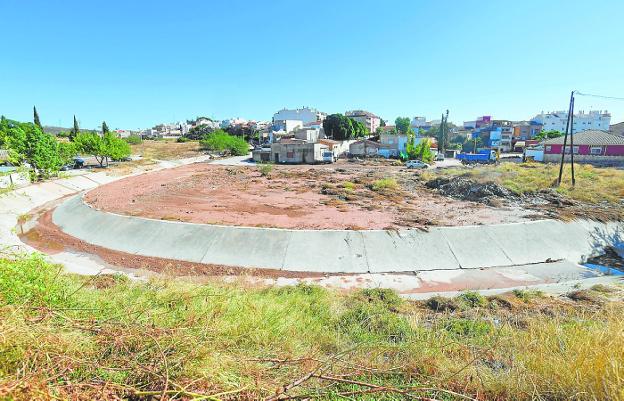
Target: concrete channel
(341, 251)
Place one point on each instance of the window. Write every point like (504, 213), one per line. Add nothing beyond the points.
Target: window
(575, 149)
(290, 155)
(548, 148)
(596, 150)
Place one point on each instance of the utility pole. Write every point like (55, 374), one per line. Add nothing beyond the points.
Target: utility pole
(569, 129)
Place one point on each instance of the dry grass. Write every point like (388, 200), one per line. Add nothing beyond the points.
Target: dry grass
(153, 151)
(593, 184)
(166, 149)
(68, 337)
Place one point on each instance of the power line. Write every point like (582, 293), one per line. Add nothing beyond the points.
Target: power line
(599, 96)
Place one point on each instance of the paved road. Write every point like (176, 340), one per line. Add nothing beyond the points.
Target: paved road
(235, 161)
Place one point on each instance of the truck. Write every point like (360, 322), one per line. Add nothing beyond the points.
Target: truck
(484, 156)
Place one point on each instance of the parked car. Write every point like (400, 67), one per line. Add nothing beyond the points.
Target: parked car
(439, 157)
(416, 164)
(78, 163)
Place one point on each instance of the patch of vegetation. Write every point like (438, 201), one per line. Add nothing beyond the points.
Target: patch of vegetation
(384, 184)
(134, 139)
(221, 141)
(473, 299)
(442, 304)
(593, 184)
(349, 186)
(108, 337)
(527, 295)
(265, 169)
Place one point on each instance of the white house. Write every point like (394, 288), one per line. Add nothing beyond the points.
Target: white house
(287, 125)
(305, 115)
(557, 120)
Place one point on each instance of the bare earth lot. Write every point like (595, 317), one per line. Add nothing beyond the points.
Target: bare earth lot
(342, 196)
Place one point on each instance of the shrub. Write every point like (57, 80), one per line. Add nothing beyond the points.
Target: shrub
(182, 139)
(384, 183)
(221, 141)
(468, 327)
(373, 322)
(266, 169)
(527, 295)
(134, 139)
(473, 299)
(385, 296)
(442, 304)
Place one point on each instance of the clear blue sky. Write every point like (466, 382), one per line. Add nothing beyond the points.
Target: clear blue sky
(138, 63)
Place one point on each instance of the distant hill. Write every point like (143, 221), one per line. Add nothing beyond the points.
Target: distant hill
(56, 130)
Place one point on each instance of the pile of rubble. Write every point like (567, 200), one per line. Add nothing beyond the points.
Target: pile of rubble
(466, 189)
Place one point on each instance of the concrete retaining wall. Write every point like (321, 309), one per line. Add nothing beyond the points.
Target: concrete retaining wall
(339, 251)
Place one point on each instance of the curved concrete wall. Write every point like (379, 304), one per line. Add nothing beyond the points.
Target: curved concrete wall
(339, 251)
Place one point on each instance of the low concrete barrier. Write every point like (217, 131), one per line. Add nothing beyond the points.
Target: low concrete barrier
(340, 251)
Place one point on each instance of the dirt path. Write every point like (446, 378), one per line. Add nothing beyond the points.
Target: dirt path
(297, 197)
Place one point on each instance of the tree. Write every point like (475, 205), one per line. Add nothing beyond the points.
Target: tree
(382, 122)
(402, 124)
(36, 118)
(221, 141)
(105, 129)
(199, 132)
(75, 131)
(103, 147)
(443, 133)
(543, 135)
(115, 148)
(359, 129)
(338, 127)
(420, 151)
(67, 152)
(42, 151)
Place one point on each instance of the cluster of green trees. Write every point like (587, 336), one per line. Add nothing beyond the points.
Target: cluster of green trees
(421, 151)
(543, 135)
(340, 127)
(27, 143)
(221, 141)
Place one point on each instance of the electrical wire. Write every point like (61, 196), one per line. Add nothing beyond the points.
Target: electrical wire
(598, 96)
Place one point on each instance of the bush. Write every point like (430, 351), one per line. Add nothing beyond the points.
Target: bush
(182, 139)
(384, 183)
(266, 169)
(134, 140)
(221, 141)
(442, 304)
(386, 296)
(473, 299)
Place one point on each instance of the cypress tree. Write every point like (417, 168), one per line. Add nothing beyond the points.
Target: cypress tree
(104, 128)
(36, 118)
(75, 130)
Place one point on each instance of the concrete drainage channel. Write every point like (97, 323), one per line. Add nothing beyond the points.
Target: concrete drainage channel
(542, 254)
(442, 260)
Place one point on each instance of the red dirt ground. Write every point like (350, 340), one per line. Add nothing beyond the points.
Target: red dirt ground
(299, 197)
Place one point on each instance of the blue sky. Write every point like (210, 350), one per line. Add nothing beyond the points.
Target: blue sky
(138, 63)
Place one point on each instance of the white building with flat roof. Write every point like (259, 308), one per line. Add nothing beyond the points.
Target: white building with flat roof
(557, 120)
(305, 115)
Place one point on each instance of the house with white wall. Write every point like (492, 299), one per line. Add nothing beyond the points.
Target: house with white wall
(557, 120)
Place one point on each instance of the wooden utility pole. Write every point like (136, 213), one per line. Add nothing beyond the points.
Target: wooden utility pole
(569, 129)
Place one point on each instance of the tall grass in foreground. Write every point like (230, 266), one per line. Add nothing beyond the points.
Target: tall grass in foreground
(593, 184)
(103, 337)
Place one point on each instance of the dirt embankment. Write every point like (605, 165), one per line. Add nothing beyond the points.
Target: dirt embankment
(297, 197)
